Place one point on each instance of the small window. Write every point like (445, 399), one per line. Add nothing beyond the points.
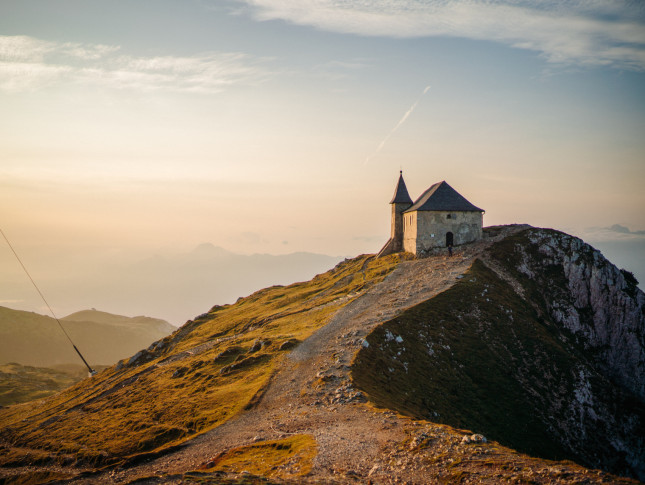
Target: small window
(449, 216)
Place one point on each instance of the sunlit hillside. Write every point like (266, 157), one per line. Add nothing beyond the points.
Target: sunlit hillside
(202, 375)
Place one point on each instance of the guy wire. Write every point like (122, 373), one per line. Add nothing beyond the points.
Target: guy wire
(92, 371)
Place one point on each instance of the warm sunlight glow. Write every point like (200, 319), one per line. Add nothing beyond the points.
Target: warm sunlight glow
(266, 126)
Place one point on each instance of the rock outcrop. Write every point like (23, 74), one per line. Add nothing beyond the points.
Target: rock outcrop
(599, 304)
(602, 311)
(540, 347)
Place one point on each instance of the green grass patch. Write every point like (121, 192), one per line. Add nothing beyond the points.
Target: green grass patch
(285, 459)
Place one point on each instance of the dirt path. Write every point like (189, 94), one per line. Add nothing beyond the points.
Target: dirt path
(313, 393)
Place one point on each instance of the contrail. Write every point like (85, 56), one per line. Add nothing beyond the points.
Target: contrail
(397, 126)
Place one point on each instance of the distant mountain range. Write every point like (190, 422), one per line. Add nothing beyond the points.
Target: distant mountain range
(173, 286)
(179, 286)
(31, 339)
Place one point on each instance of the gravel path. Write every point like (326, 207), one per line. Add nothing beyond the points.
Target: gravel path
(313, 393)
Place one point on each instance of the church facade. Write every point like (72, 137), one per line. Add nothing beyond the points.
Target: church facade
(439, 218)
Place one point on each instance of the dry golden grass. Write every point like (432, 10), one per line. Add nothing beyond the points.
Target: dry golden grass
(38, 477)
(194, 380)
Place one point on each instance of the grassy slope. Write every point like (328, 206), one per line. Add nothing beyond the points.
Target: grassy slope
(32, 339)
(480, 357)
(192, 381)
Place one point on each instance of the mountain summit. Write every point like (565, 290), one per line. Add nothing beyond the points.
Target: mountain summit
(524, 347)
(32, 339)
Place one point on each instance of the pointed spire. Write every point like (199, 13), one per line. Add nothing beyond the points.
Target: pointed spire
(401, 195)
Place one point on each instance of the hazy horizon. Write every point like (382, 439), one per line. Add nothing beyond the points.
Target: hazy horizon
(131, 129)
(173, 286)
(178, 286)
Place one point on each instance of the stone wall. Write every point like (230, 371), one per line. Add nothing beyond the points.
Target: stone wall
(410, 232)
(427, 230)
(396, 232)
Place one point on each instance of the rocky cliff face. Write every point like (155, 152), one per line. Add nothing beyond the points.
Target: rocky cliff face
(540, 346)
(602, 311)
(583, 292)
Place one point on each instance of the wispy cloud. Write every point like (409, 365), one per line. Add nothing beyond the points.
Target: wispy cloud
(27, 63)
(583, 32)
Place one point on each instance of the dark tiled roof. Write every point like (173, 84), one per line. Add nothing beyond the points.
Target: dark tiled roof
(401, 195)
(442, 197)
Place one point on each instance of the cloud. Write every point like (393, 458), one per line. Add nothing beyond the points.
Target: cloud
(21, 49)
(28, 76)
(27, 64)
(591, 32)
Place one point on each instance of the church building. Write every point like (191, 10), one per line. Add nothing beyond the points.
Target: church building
(441, 217)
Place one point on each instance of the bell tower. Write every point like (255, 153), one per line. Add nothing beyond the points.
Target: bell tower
(400, 202)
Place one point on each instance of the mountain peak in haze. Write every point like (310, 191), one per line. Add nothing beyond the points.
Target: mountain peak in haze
(209, 250)
(29, 338)
(97, 316)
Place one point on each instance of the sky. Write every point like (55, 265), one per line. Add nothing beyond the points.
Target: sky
(135, 128)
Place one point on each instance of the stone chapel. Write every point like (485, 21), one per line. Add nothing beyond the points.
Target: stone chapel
(441, 217)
